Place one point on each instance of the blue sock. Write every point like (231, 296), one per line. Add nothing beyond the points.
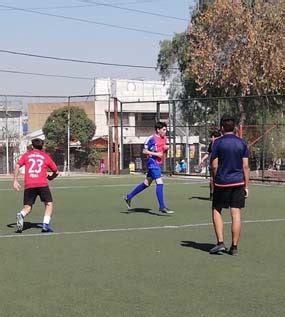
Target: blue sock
(159, 195)
(137, 190)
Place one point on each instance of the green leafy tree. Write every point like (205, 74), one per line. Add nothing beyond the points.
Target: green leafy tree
(55, 129)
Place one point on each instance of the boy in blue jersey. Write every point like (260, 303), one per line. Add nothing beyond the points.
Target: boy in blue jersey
(155, 147)
(230, 171)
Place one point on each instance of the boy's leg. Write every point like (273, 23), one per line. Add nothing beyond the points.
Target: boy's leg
(160, 196)
(220, 200)
(236, 225)
(135, 191)
(218, 224)
(26, 210)
(20, 217)
(159, 193)
(219, 230)
(237, 203)
(30, 196)
(46, 198)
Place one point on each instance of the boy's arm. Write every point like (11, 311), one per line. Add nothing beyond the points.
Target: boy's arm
(245, 167)
(16, 184)
(204, 158)
(147, 152)
(53, 175)
(54, 170)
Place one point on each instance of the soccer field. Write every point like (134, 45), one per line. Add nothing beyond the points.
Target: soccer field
(105, 261)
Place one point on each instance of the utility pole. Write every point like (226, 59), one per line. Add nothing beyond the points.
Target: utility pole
(7, 136)
(116, 123)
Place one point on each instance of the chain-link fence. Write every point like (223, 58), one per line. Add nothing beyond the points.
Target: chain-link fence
(98, 133)
(70, 126)
(190, 124)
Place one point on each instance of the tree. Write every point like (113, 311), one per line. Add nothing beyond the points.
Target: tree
(172, 63)
(89, 157)
(236, 48)
(55, 129)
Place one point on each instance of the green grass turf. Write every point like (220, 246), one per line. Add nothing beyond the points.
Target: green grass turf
(158, 272)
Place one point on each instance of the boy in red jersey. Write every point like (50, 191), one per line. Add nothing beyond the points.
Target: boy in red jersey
(36, 164)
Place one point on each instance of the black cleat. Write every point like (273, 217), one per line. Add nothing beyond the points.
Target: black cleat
(128, 203)
(166, 211)
(233, 251)
(218, 249)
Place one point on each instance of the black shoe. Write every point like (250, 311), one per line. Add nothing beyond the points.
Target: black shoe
(128, 202)
(233, 251)
(166, 211)
(218, 249)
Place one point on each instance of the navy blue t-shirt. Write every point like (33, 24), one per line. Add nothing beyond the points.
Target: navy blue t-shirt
(230, 150)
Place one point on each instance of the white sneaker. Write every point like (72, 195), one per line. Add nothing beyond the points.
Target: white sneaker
(20, 222)
(166, 211)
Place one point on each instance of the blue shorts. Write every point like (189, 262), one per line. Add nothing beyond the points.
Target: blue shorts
(154, 173)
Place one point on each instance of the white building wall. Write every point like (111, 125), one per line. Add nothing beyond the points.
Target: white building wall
(134, 91)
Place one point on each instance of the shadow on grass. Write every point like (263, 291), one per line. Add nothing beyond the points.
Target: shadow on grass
(142, 210)
(27, 225)
(200, 198)
(206, 247)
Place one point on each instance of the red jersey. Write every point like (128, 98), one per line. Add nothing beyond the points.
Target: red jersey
(36, 164)
(155, 143)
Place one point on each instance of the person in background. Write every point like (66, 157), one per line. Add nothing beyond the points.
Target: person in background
(207, 157)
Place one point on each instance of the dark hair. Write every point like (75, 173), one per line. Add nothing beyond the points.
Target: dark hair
(216, 133)
(228, 123)
(37, 144)
(159, 125)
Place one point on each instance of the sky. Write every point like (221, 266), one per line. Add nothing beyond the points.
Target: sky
(45, 35)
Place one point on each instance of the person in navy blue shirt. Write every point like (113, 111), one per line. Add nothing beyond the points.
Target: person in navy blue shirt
(230, 171)
(155, 148)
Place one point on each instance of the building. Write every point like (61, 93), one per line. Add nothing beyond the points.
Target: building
(138, 101)
(11, 133)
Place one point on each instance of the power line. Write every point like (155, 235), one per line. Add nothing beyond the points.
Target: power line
(84, 20)
(152, 83)
(78, 60)
(79, 6)
(43, 74)
(135, 10)
(54, 7)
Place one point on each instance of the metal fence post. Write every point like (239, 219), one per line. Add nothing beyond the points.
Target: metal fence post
(68, 137)
(174, 132)
(122, 137)
(7, 136)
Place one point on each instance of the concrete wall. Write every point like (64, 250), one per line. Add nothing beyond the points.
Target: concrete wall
(39, 112)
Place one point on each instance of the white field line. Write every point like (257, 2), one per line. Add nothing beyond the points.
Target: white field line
(193, 225)
(107, 185)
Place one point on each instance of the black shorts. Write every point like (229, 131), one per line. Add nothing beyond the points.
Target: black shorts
(30, 195)
(229, 197)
